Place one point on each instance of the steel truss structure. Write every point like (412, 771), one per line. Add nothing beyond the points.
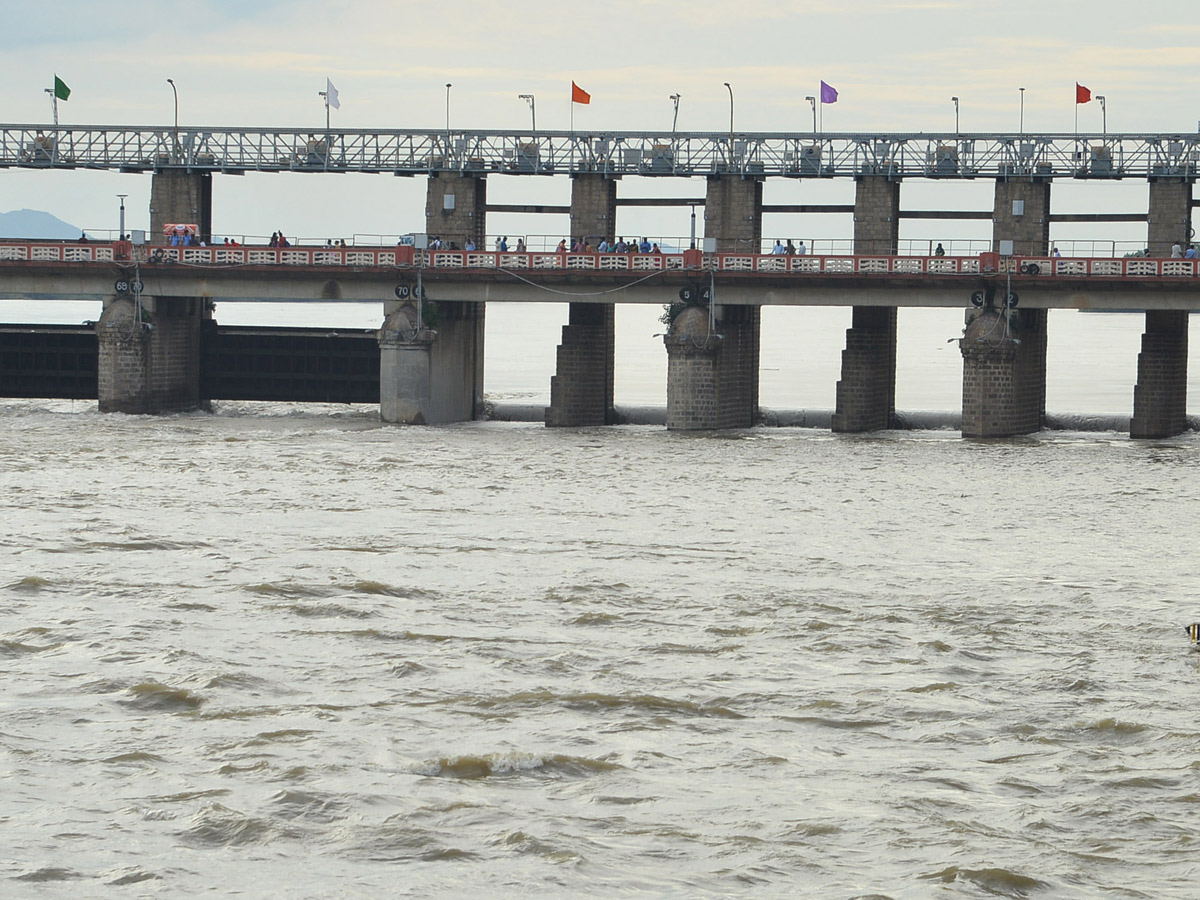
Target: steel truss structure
(614, 154)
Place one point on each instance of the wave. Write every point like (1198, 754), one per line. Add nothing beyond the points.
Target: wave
(470, 768)
(637, 703)
(30, 583)
(150, 696)
(1000, 882)
(219, 826)
(50, 873)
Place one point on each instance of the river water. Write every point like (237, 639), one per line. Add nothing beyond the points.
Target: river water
(286, 651)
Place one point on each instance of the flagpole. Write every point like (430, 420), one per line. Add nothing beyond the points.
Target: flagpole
(53, 104)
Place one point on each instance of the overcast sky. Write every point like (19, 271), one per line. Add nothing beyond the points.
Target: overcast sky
(895, 64)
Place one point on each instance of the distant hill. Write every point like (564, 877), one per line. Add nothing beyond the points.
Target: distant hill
(33, 223)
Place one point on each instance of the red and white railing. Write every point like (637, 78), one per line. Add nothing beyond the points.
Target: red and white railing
(633, 263)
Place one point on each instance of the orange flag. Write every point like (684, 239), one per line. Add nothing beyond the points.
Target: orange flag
(1082, 94)
(579, 95)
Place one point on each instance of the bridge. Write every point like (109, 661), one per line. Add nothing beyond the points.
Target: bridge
(158, 299)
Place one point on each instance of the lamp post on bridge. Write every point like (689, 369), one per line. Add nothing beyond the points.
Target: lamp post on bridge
(812, 101)
(528, 98)
(1103, 115)
(955, 101)
(1021, 122)
(447, 154)
(121, 229)
(175, 91)
(730, 89)
(675, 120)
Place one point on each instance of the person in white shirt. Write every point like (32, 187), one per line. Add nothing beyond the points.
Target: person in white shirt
(1176, 251)
(777, 250)
(801, 250)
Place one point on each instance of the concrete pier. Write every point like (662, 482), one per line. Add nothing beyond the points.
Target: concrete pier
(455, 209)
(1160, 396)
(149, 360)
(1001, 390)
(712, 375)
(866, 392)
(180, 197)
(1004, 350)
(581, 389)
(432, 373)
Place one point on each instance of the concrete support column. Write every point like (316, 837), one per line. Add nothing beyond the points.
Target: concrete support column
(433, 374)
(1022, 215)
(733, 213)
(455, 209)
(1169, 218)
(866, 393)
(593, 208)
(180, 197)
(581, 390)
(1004, 373)
(876, 215)
(1160, 397)
(712, 376)
(1004, 351)
(149, 358)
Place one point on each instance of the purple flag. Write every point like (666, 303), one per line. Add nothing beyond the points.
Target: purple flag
(828, 94)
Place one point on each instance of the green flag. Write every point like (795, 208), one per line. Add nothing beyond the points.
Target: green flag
(61, 91)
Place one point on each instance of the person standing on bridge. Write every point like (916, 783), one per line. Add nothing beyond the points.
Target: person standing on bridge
(1176, 251)
(940, 250)
(802, 250)
(778, 249)
(1190, 252)
(789, 250)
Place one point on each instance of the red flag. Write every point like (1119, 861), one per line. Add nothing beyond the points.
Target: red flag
(1082, 94)
(579, 95)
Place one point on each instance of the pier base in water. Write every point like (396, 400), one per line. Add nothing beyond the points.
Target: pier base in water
(149, 356)
(1004, 373)
(431, 375)
(1160, 397)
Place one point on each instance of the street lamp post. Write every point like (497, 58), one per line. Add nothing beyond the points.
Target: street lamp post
(528, 98)
(175, 91)
(448, 86)
(1103, 114)
(1021, 124)
(955, 99)
(675, 120)
(121, 230)
(812, 101)
(730, 89)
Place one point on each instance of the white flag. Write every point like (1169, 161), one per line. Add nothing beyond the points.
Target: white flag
(331, 96)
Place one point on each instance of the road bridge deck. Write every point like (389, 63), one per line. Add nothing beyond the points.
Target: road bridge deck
(50, 270)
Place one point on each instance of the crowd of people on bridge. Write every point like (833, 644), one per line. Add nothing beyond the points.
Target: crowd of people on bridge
(788, 249)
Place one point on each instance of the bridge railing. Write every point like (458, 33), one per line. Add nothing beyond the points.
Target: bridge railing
(633, 263)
